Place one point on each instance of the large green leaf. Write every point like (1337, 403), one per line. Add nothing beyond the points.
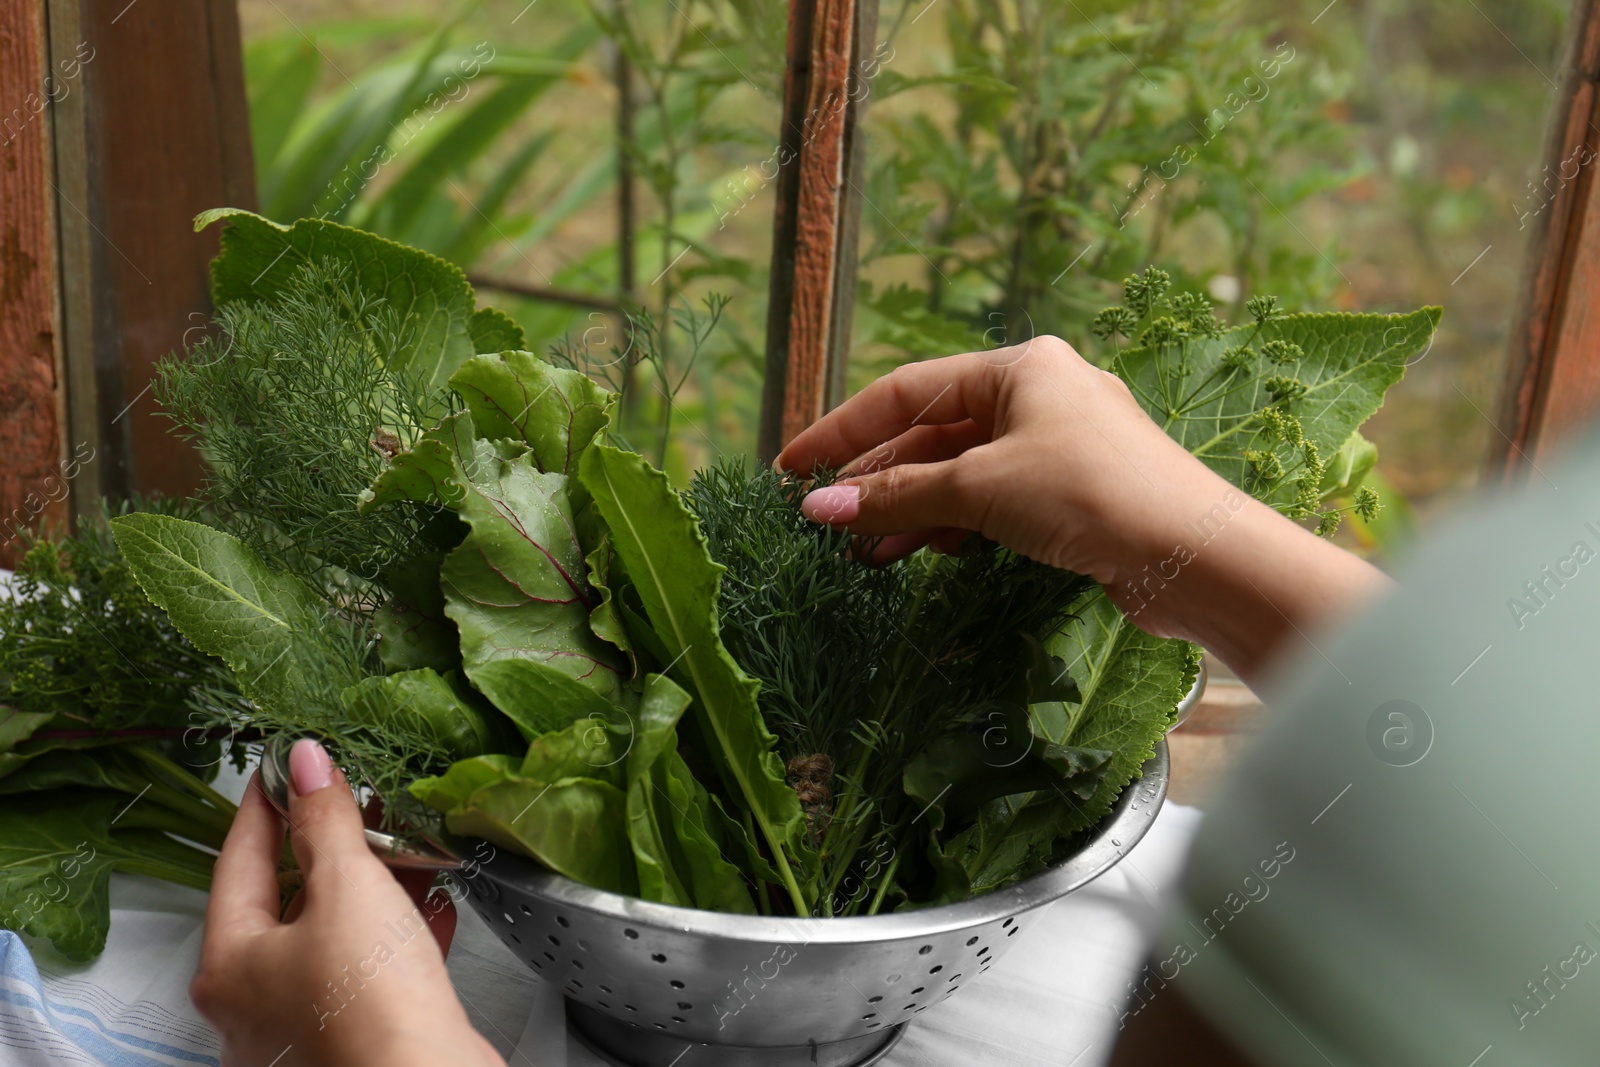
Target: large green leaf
(424, 703)
(413, 630)
(267, 627)
(449, 791)
(575, 826)
(57, 852)
(539, 697)
(679, 861)
(665, 554)
(425, 472)
(554, 411)
(430, 296)
(957, 774)
(516, 586)
(493, 330)
(1011, 838)
(1348, 363)
(1131, 683)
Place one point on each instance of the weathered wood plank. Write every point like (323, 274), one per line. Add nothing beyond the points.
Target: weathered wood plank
(816, 215)
(33, 485)
(1553, 370)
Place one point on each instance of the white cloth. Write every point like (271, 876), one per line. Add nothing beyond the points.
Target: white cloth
(1055, 998)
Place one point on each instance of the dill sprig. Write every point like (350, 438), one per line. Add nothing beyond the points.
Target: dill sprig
(867, 666)
(79, 638)
(295, 408)
(798, 609)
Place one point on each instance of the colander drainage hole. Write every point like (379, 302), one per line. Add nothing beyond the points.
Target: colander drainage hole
(561, 922)
(605, 989)
(917, 990)
(971, 941)
(676, 1019)
(984, 951)
(659, 957)
(515, 938)
(578, 964)
(631, 935)
(509, 919)
(908, 1007)
(549, 957)
(936, 969)
(924, 950)
(870, 1015)
(577, 983)
(1012, 932)
(676, 984)
(554, 940)
(630, 1007)
(684, 1005)
(526, 910)
(661, 1026)
(953, 977)
(873, 1000)
(1009, 921)
(603, 1004)
(583, 944)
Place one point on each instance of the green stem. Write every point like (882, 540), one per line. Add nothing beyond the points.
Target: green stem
(161, 857)
(183, 777)
(847, 816)
(186, 818)
(888, 877)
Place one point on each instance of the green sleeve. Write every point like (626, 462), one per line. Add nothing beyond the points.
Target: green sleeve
(1404, 869)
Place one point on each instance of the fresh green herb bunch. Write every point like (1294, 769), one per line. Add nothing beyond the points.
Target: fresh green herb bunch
(79, 638)
(296, 408)
(862, 668)
(960, 668)
(798, 609)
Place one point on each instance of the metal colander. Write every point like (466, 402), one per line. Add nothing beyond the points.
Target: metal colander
(646, 983)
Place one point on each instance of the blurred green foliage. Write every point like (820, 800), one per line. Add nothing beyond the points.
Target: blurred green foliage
(1023, 156)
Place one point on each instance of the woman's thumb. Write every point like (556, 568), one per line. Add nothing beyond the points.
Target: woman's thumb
(325, 821)
(913, 496)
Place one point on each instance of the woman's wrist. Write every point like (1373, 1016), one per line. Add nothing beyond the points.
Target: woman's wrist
(1236, 577)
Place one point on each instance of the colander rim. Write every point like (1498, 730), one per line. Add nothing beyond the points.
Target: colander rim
(1122, 829)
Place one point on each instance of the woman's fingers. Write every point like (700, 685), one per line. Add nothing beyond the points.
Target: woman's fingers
(913, 497)
(920, 444)
(885, 550)
(435, 904)
(328, 838)
(244, 883)
(936, 392)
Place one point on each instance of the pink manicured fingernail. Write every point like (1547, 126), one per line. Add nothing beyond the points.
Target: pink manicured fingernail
(309, 766)
(835, 505)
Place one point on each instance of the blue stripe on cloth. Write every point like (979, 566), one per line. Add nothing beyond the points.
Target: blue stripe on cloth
(92, 1035)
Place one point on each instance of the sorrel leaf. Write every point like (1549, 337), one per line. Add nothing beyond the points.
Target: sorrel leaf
(220, 595)
(660, 544)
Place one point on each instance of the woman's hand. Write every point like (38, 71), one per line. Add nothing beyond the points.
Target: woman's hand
(354, 976)
(1038, 450)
